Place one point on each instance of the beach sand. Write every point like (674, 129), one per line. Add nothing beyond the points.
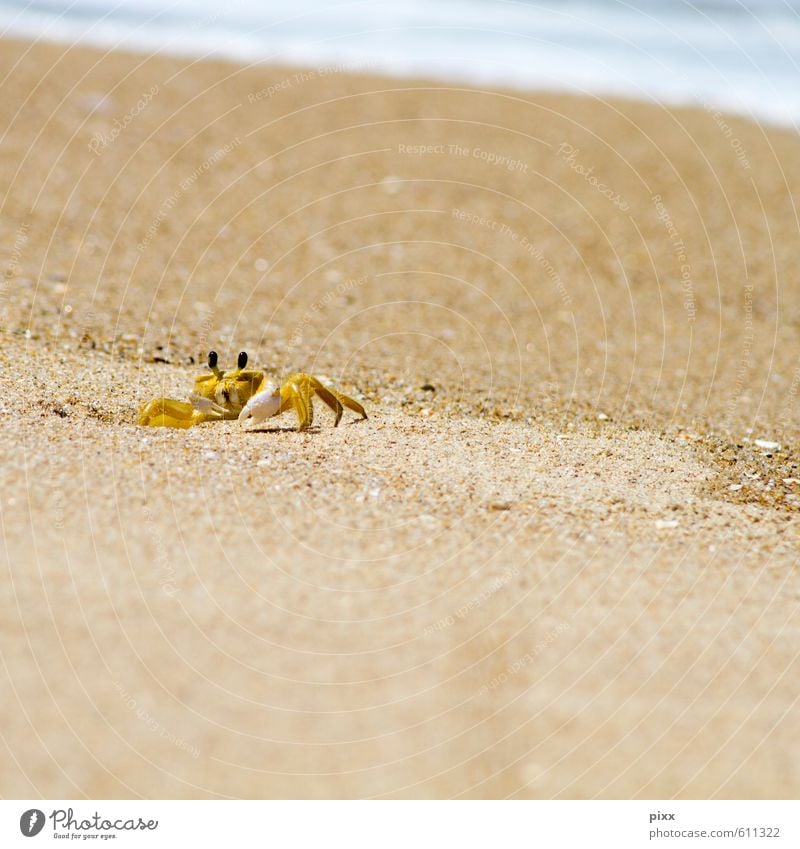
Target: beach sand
(554, 562)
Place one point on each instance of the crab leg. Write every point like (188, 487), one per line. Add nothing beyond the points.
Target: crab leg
(295, 393)
(166, 412)
(350, 403)
(328, 397)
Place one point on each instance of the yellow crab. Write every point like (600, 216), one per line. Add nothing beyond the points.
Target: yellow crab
(247, 395)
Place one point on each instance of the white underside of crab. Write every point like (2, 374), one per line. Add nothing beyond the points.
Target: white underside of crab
(205, 405)
(262, 406)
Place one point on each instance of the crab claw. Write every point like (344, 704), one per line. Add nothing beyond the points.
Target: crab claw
(263, 405)
(205, 405)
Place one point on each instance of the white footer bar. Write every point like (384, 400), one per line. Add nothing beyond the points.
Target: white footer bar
(403, 824)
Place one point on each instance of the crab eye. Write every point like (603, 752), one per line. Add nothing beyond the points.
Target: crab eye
(212, 359)
(242, 361)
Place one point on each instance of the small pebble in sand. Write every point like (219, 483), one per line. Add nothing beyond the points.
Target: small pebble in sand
(666, 524)
(602, 417)
(767, 444)
(391, 185)
(735, 487)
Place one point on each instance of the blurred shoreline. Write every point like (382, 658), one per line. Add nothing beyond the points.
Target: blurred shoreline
(721, 56)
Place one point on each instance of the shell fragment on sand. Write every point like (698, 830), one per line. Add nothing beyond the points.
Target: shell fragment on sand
(767, 444)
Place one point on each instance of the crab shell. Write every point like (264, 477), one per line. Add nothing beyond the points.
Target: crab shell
(231, 391)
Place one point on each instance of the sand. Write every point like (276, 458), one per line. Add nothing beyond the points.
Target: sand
(558, 560)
